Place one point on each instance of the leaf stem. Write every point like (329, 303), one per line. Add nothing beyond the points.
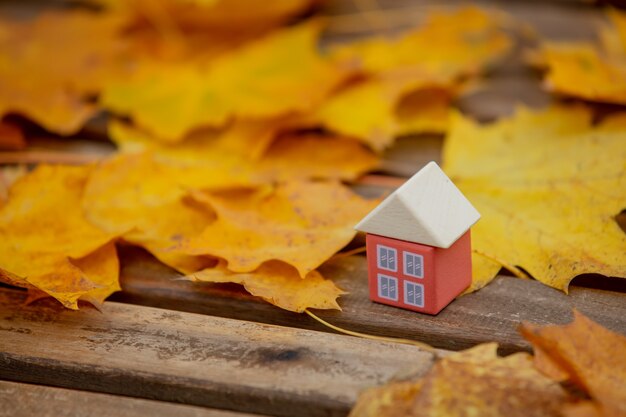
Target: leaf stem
(421, 345)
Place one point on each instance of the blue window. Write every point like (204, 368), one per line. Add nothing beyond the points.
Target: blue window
(387, 258)
(413, 265)
(413, 294)
(387, 287)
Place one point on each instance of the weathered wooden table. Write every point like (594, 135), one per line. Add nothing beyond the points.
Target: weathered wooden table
(166, 347)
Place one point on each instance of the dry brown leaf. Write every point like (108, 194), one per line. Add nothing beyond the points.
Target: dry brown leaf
(587, 354)
(279, 284)
(473, 382)
(46, 244)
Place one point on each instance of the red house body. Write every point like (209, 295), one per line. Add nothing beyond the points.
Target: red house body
(419, 243)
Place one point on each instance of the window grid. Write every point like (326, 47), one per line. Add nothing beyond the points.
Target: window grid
(413, 265)
(413, 294)
(387, 258)
(387, 287)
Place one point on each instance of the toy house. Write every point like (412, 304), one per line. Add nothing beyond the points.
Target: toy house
(418, 243)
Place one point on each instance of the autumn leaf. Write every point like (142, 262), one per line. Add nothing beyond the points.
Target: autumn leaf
(129, 195)
(248, 154)
(300, 223)
(242, 139)
(588, 71)
(410, 81)
(102, 268)
(423, 111)
(374, 110)
(280, 285)
(50, 84)
(143, 196)
(209, 15)
(8, 175)
(580, 70)
(46, 244)
(171, 100)
(471, 382)
(548, 185)
(448, 45)
(588, 355)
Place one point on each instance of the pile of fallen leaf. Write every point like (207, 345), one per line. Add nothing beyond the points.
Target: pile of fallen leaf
(235, 132)
(237, 136)
(578, 370)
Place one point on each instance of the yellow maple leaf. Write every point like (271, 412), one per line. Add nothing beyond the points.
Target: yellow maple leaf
(410, 81)
(210, 15)
(580, 70)
(142, 196)
(471, 382)
(588, 355)
(247, 154)
(447, 45)
(269, 77)
(589, 71)
(133, 197)
(50, 84)
(375, 111)
(280, 285)
(300, 223)
(548, 186)
(46, 244)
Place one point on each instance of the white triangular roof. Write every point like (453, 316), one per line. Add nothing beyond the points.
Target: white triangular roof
(427, 209)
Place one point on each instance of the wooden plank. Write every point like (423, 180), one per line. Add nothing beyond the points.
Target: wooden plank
(28, 400)
(193, 359)
(491, 314)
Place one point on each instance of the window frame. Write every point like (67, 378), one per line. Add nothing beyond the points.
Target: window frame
(404, 260)
(389, 279)
(406, 294)
(379, 260)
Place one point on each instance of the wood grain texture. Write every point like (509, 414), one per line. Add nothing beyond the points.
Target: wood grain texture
(26, 400)
(491, 314)
(188, 358)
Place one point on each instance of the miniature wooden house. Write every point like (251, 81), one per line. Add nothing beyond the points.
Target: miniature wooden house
(418, 243)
